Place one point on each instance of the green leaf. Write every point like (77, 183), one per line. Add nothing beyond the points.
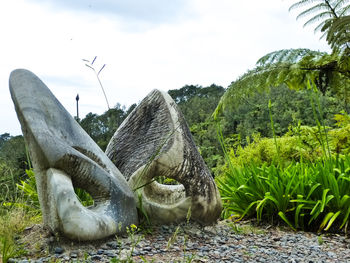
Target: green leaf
(324, 199)
(346, 217)
(315, 211)
(325, 220)
(285, 219)
(297, 214)
(334, 217)
(313, 188)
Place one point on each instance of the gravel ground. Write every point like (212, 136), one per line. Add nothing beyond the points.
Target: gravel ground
(183, 243)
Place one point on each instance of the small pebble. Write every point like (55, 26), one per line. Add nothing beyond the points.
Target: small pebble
(96, 257)
(58, 250)
(100, 251)
(213, 244)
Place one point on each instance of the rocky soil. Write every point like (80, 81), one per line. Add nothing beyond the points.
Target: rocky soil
(224, 242)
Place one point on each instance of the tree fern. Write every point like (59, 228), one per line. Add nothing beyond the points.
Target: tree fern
(323, 12)
(292, 67)
(287, 56)
(296, 67)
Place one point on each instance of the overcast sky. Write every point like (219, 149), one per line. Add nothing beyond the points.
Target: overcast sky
(145, 44)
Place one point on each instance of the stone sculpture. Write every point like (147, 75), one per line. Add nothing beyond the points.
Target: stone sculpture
(155, 141)
(63, 156)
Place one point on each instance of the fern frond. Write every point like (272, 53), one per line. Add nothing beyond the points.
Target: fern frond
(318, 7)
(302, 3)
(340, 3)
(287, 56)
(344, 11)
(338, 35)
(324, 15)
(322, 12)
(339, 24)
(324, 26)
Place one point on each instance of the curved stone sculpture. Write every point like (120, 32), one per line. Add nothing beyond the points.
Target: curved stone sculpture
(155, 141)
(64, 155)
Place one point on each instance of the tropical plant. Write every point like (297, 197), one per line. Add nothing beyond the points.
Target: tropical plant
(247, 128)
(30, 200)
(338, 35)
(332, 19)
(296, 67)
(28, 187)
(304, 195)
(323, 12)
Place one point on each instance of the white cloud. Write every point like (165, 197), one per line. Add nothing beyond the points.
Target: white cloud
(214, 42)
(130, 11)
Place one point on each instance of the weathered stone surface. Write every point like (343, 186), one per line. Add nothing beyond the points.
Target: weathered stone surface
(64, 156)
(155, 141)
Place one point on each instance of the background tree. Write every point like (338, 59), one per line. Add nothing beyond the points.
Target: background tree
(102, 127)
(197, 104)
(289, 107)
(3, 138)
(13, 163)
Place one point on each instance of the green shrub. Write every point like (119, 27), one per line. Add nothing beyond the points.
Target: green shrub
(292, 148)
(301, 143)
(340, 136)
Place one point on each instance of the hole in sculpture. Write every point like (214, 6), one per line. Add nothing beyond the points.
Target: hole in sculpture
(163, 192)
(84, 197)
(166, 180)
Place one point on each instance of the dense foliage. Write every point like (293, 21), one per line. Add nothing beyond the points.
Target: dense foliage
(288, 108)
(302, 176)
(310, 196)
